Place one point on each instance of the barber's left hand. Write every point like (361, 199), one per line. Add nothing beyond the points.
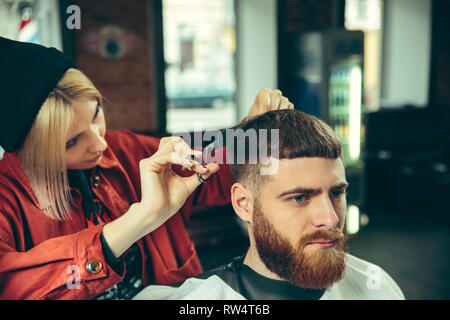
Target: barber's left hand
(268, 100)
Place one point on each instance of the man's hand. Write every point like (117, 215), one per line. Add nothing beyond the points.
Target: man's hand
(268, 100)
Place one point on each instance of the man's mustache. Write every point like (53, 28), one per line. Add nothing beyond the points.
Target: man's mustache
(322, 236)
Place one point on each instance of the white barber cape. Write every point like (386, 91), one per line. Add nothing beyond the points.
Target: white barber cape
(362, 281)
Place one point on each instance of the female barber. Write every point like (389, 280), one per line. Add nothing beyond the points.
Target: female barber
(84, 212)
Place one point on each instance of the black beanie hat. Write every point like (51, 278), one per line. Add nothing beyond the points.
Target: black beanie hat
(28, 73)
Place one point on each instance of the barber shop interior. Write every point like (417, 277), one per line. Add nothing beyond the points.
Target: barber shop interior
(111, 108)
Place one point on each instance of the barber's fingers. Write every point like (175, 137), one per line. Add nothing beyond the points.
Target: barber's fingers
(263, 97)
(261, 103)
(192, 182)
(189, 164)
(278, 101)
(178, 147)
(269, 100)
(212, 168)
(182, 154)
(182, 150)
(284, 103)
(174, 150)
(275, 99)
(188, 158)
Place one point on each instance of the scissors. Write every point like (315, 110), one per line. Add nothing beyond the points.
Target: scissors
(208, 150)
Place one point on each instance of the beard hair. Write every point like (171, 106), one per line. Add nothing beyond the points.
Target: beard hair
(316, 269)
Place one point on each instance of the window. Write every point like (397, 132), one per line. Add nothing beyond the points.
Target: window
(199, 52)
(366, 15)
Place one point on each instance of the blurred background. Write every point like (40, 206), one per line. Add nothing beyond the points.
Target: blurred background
(377, 71)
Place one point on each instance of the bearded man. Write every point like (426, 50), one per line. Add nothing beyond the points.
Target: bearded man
(295, 217)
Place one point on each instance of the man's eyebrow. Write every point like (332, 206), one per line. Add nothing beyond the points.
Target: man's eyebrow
(300, 190)
(95, 116)
(311, 191)
(340, 186)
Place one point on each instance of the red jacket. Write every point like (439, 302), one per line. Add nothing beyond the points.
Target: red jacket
(38, 255)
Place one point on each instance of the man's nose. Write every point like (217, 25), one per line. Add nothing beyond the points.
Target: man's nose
(324, 215)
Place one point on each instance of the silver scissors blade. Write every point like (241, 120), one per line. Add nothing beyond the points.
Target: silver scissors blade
(219, 141)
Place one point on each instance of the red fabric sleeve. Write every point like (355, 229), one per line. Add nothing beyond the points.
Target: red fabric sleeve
(55, 268)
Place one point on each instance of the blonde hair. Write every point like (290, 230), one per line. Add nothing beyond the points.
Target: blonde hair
(43, 154)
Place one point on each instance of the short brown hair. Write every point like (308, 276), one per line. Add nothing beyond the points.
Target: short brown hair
(300, 135)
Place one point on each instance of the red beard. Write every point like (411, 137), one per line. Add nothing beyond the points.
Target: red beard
(318, 268)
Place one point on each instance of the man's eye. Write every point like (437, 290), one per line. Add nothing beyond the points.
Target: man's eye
(338, 193)
(298, 199)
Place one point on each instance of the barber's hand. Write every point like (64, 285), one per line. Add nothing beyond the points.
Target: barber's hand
(268, 100)
(164, 191)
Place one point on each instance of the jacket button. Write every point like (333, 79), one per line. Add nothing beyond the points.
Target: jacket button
(93, 265)
(96, 180)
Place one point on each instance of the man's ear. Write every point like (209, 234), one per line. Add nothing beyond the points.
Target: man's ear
(242, 201)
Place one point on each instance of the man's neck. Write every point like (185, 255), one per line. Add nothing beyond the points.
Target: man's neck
(253, 260)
